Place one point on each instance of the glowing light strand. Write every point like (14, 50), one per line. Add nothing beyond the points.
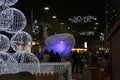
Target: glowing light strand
(87, 33)
(86, 19)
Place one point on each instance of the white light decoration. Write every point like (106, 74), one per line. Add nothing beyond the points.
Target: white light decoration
(9, 2)
(54, 17)
(5, 17)
(61, 43)
(102, 37)
(25, 57)
(87, 33)
(19, 21)
(21, 41)
(78, 19)
(35, 29)
(46, 8)
(4, 43)
(13, 21)
(85, 45)
(5, 57)
(5, 64)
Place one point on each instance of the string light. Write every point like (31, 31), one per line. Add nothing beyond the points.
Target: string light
(78, 19)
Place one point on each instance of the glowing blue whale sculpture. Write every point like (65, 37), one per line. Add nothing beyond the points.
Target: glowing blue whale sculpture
(61, 43)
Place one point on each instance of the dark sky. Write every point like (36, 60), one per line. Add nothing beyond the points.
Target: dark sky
(114, 4)
(62, 8)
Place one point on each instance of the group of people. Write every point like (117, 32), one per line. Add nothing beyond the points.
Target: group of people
(50, 56)
(79, 60)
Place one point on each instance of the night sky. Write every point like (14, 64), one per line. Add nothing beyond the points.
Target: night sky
(64, 9)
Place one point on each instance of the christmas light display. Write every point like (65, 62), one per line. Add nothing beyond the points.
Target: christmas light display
(5, 57)
(5, 17)
(21, 41)
(13, 22)
(61, 43)
(78, 19)
(18, 23)
(25, 57)
(4, 43)
(8, 2)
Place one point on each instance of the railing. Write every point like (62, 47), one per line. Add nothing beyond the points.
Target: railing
(37, 68)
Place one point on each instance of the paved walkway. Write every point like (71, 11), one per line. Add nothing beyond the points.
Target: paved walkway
(77, 76)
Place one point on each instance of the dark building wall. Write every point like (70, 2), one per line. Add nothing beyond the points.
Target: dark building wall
(115, 51)
(115, 54)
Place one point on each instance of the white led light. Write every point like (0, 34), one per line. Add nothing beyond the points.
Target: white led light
(5, 17)
(9, 2)
(25, 57)
(18, 22)
(21, 41)
(46, 8)
(78, 19)
(4, 43)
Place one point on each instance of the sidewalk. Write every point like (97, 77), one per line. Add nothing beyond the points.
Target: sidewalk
(77, 76)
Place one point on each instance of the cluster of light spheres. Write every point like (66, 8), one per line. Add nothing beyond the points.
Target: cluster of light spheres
(61, 43)
(13, 22)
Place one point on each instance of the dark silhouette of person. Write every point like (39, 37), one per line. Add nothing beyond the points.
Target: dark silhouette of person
(46, 56)
(81, 62)
(52, 56)
(75, 58)
(57, 57)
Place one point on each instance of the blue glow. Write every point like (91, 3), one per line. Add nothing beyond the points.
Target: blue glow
(61, 43)
(62, 48)
(58, 47)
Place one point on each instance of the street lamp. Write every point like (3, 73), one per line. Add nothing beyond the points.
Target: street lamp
(46, 8)
(53, 17)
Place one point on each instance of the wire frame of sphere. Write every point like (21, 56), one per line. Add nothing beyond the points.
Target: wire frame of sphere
(4, 43)
(25, 57)
(8, 2)
(21, 41)
(7, 58)
(6, 17)
(18, 22)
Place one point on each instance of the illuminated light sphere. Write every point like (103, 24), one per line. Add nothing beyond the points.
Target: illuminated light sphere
(61, 43)
(4, 43)
(25, 57)
(9, 2)
(5, 57)
(5, 17)
(18, 22)
(8, 64)
(21, 41)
